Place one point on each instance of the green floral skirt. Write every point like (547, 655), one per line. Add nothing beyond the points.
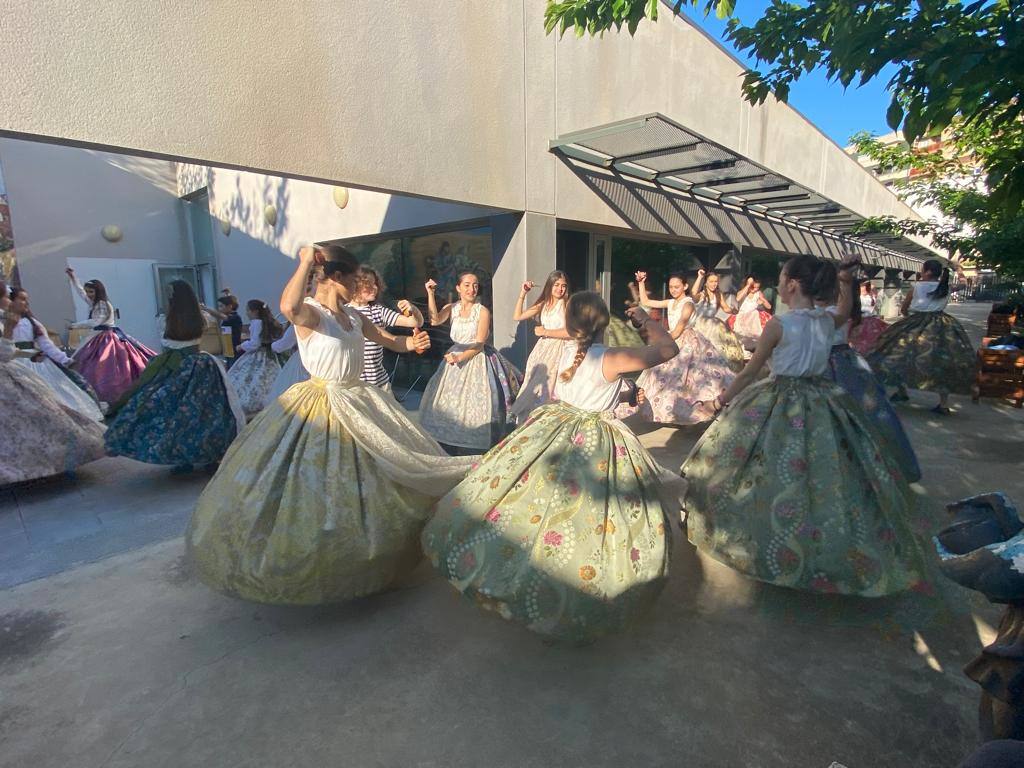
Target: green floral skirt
(790, 486)
(925, 350)
(560, 527)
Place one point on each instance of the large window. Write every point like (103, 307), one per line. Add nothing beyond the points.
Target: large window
(658, 260)
(406, 263)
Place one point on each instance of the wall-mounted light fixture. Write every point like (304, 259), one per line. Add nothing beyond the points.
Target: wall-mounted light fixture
(270, 215)
(340, 195)
(112, 233)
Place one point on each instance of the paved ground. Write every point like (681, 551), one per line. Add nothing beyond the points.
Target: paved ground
(129, 661)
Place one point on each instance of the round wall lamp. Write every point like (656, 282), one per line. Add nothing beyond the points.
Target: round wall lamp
(340, 195)
(270, 215)
(112, 233)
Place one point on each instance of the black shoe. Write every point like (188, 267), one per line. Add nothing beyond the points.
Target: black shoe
(942, 410)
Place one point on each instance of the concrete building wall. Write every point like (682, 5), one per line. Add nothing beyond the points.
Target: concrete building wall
(60, 199)
(447, 100)
(255, 258)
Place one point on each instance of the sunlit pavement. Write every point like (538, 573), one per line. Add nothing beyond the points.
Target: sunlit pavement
(128, 661)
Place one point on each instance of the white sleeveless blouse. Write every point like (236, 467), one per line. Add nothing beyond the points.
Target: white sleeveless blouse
(588, 390)
(330, 352)
(806, 342)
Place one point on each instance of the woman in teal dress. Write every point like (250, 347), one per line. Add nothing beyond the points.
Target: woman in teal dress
(793, 484)
(560, 527)
(181, 411)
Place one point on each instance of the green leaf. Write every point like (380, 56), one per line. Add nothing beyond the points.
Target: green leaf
(894, 114)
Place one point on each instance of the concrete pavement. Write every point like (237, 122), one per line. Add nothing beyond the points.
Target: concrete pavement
(130, 662)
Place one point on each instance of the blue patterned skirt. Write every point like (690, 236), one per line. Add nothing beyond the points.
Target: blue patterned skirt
(851, 372)
(178, 413)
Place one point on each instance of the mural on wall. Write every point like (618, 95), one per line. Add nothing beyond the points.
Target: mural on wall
(8, 262)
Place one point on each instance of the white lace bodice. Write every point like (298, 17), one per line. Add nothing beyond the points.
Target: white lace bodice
(463, 330)
(867, 306)
(330, 352)
(554, 318)
(807, 336)
(588, 389)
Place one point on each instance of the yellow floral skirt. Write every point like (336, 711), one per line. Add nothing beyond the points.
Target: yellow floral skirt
(306, 509)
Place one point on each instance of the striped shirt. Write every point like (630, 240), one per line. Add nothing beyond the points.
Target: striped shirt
(373, 353)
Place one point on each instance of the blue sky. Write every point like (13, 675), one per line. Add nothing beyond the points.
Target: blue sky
(837, 112)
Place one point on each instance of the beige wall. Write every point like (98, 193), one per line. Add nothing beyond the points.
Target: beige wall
(452, 100)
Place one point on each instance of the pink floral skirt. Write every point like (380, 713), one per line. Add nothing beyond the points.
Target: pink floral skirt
(111, 361)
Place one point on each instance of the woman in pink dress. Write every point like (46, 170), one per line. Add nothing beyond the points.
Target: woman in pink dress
(680, 391)
(109, 359)
(865, 324)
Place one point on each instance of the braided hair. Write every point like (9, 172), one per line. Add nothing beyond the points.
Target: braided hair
(586, 317)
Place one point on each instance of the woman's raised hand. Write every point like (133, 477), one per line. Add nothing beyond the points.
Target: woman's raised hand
(308, 255)
(430, 285)
(527, 286)
(641, 277)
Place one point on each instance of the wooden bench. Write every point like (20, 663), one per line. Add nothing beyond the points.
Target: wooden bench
(1000, 373)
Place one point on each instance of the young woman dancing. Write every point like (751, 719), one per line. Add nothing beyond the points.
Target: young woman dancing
(182, 411)
(256, 369)
(562, 528)
(793, 485)
(109, 359)
(753, 313)
(466, 403)
(323, 497)
(680, 391)
(709, 301)
(548, 311)
(48, 362)
(41, 435)
(928, 349)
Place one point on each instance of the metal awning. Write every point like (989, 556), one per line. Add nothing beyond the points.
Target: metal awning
(658, 150)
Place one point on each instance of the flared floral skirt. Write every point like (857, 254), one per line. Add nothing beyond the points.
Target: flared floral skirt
(864, 336)
(724, 340)
(252, 377)
(791, 486)
(111, 361)
(681, 391)
(560, 528)
(469, 405)
(41, 435)
(925, 350)
(181, 412)
(321, 499)
(66, 385)
(851, 372)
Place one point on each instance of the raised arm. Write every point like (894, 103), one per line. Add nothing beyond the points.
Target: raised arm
(742, 293)
(645, 299)
(519, 314)
(660, 348)
(436, 318)
(77, 286)
(697, 284)
(293, 304)
(844, 307)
